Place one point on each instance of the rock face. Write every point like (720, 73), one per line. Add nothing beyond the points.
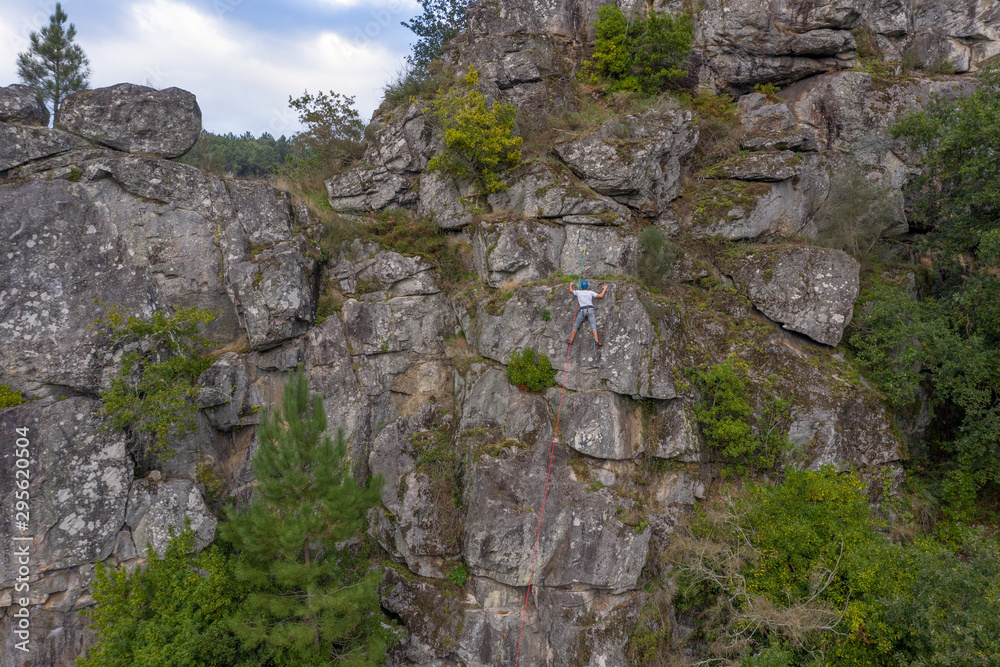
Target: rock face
(635, 160)
(809, 290)
(135, 119)
(401, 146)
(20, 105)
(410, 361)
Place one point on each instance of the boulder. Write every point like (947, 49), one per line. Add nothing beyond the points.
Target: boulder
(135, 119)
(374, 189)
(21, 105)
(635, 159)
(402, 142)
(809, 290)
(154, 507)
(79, 485)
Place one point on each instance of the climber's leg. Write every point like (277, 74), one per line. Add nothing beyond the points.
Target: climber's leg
(576, 325)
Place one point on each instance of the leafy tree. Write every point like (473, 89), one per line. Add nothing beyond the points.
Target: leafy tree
(151, 397)
(646, 56)
(313, 599)
(479, 137)
(333, 134)
(797, 573)
(174, 612)
(958, 192)
(439, 23)
(748, 428)
(53, 64)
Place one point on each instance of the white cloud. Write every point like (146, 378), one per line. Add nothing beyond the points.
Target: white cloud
(241, 76)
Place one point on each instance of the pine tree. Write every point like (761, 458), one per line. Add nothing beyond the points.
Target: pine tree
(53, 65)
(314, 599)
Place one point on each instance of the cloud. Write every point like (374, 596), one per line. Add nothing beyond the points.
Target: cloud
(241, 73)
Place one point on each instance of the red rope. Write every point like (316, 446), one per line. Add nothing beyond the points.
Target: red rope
(548, 476)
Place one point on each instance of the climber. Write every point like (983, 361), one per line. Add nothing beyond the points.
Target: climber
(585, 298)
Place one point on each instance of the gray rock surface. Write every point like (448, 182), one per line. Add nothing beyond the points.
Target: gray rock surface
(776, 193)
(635, 159)
(135, 119)
(154, 507)
(269, 264)
(542, 190)
(809, 290)
(79, 484)
(441, 199)
(583, 542)
(365, 267)
(643, 339)
(517, 252)
(228, 396)
(20, 145)
(402, 144)
(20, 105)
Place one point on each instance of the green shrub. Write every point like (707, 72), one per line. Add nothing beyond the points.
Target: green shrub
(179, 605)
(459, 574)
(478, 136)
(646, 56)
(530, 370)
(657, 256)
(779, 573)
(9, 397)
(151, 399)
(747, 429)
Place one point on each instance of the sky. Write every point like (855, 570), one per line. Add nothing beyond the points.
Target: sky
(241, 58)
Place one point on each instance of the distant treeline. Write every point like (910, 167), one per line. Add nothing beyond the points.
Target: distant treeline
(241, 156)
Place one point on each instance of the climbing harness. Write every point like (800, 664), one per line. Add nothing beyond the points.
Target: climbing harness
(548, 476)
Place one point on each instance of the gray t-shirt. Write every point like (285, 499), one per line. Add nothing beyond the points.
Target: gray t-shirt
(584, 297)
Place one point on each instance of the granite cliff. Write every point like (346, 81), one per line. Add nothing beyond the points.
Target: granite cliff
(96, 211)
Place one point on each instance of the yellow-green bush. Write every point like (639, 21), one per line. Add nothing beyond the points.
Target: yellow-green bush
(478, 136)
(9, 397)
(645, 55)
